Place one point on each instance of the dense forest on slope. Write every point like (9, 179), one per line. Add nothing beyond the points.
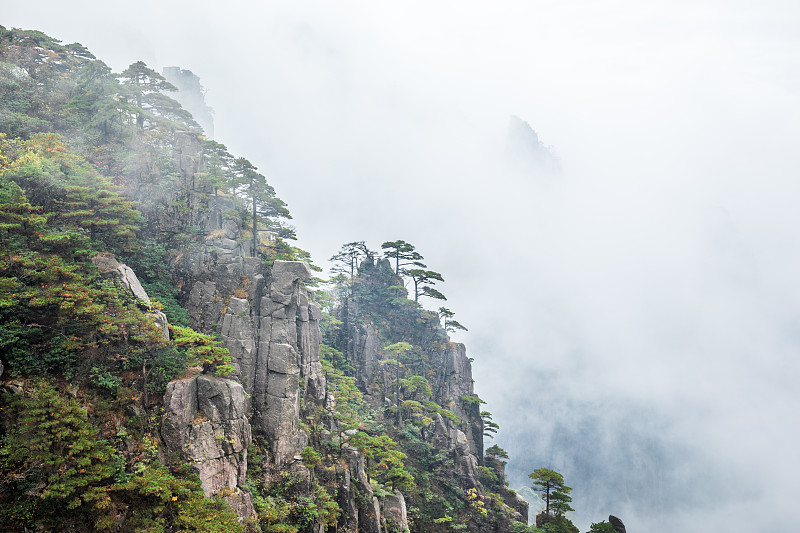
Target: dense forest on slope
(169, 362)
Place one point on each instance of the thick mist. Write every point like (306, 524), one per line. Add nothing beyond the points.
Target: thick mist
(635, 317)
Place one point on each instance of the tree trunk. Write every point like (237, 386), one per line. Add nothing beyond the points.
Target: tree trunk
(139, 115)
(255, 235)
(144, 383)
(397, 392)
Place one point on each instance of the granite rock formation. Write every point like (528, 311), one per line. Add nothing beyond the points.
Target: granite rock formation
(616, 523)
(206, 422)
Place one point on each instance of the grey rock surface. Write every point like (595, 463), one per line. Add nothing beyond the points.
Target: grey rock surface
(109, 266)
(367, 347)
(129, 279)
(206, 423)
(466, 448)
(358, 516)
(160, 321)
(264, 318)
(394, 509)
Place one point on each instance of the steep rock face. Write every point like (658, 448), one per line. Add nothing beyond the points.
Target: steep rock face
(449, 438)
(191, 95)
(518, 506)
(288, 352)
(527, 151)
(264, 318)
(457, 383)
(367, 343)
(206, 422)
(465, 443)
(357, 499)
(366, 351)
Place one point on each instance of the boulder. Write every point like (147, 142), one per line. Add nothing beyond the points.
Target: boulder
(129, 279)
(109, 266)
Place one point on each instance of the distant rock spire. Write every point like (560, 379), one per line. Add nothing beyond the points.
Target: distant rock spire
(191, 96)
(525, 148)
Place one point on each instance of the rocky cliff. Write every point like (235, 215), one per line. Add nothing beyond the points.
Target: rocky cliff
(361, 440)
(263, 315)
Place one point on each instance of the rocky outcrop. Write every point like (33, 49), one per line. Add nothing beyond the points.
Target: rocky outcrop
(281, 354)
(456, 385)
(616, 523)
(112, 268)
(206, 422)
(394, 509)
(526, 150)
(126, 277)
(367, 345)
(464, 443)
(518, 504)
(191, 95)
(449, 438)
(358, 501)
(265, 319)
(264, 316)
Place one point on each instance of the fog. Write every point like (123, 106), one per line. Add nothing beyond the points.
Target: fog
(635, 318)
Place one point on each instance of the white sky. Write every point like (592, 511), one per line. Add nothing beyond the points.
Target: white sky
(658, 275)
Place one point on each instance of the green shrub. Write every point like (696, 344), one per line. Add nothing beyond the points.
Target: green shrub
(52, 458)
(310, 457)
(202, 349)
(103, 379)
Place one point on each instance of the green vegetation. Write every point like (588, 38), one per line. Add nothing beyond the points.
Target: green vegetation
(203, 350)
(93, 173)
(88, 176)
(551, 487)
(402, 252)
(602, 527)
(448, 323)
(393, 420)
(57, 474)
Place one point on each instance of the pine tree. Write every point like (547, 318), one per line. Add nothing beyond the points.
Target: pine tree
(423, 279)
(550, 484)
(143, 84)
(265, 207)
(402, 252)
